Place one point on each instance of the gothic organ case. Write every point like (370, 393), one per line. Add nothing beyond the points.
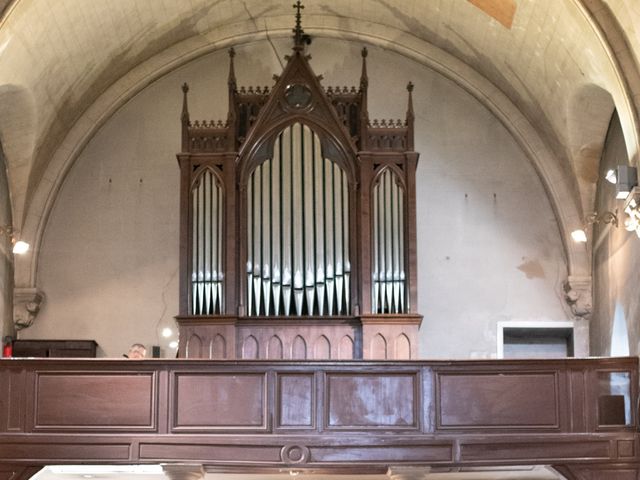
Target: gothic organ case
(298, 224)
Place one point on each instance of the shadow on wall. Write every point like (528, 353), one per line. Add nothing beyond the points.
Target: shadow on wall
(6, 259)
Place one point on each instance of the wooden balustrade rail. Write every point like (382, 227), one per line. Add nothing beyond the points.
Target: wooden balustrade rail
(324, 416)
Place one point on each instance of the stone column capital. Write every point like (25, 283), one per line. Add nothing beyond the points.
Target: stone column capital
(26, 305)
(578, 295)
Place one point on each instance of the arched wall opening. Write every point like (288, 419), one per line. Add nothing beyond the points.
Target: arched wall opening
(488, 236)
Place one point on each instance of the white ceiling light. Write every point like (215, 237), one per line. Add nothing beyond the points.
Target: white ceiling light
(579, 236)
(20, 247)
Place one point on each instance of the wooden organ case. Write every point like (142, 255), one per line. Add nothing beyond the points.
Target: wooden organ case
(298, 224)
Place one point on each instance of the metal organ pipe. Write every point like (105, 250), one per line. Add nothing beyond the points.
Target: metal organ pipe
(206, 269)
(389, 289)
(298, 255)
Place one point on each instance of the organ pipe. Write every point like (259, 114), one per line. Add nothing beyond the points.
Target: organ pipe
(389, 288)
(207, 267)
(298, 218)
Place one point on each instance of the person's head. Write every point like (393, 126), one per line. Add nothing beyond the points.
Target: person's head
(137, 350)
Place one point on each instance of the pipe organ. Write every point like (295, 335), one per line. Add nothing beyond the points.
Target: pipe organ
(298, 225)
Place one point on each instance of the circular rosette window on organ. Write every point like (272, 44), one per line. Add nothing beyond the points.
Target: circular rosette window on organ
(297, 96)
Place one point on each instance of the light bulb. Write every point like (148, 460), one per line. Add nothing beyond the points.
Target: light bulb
(579, 236)
(20, 247)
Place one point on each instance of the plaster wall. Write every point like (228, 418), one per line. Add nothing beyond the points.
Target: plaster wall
(6, 257)
(489, 248)
(616, 264)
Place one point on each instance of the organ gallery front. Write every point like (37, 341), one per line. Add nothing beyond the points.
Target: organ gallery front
(298, 223)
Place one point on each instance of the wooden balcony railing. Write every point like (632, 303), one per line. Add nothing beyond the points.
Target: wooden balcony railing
(324, 416)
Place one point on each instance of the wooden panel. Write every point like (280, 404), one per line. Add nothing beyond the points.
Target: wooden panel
(95, 401)
(626, 449)
(227, 454)
(55, 348)
(77, 450)
(327, 416)
(372, 401)
(194, 347)
(219, 347)
(497, 400)
(274, 348)
(435, 452)
(299, 348)
(296, 401)
(17, 472)
(599, 472)
(9, 472)
(299, 339)
(538, 450)
(16, 400)
(219, 401)
(577, 399)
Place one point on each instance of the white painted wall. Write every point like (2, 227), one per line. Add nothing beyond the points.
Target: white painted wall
(489, 248)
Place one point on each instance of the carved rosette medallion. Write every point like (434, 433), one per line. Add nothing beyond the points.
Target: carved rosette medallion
(295, 454)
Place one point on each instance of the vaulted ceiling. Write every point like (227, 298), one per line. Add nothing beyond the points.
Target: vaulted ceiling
(552, 70)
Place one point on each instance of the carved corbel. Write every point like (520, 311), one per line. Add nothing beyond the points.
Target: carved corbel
(578, 295)
(26, 305)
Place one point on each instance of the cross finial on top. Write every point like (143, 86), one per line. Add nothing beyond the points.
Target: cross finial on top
(298, 32)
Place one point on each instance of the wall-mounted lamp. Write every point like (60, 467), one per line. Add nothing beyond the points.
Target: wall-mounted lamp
(610, 218)
(625, 178)
(19, 247)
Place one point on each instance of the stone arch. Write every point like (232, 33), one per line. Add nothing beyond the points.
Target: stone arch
(613, 39)
(588, 116)
(557, 183)
(18, 122)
